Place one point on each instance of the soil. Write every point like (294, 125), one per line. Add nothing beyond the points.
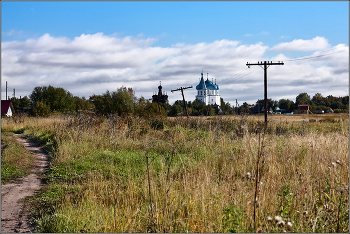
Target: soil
(14, 211)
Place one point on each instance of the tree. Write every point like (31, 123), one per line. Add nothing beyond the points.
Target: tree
(175, 110)
(120, 101)
(286, 104)
(41, 109)
(317, 98)
(57, 99)
(302, 98)
(244, 109)
(198, 107)
(24, 102)
(82, 103)
(225, 107)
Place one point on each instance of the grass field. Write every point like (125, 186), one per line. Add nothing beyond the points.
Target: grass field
(16, 161)
(200, 174)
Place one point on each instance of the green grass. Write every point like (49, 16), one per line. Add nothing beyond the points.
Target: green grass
(16, 161)
(98, 179)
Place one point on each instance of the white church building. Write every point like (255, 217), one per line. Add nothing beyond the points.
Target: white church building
(208, 92)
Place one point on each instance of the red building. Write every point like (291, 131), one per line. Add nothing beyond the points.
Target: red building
(303, 109)
(7, 108)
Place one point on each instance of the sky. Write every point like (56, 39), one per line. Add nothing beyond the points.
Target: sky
(89, 47)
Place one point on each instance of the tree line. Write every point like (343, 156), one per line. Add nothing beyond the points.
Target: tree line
(47, 100)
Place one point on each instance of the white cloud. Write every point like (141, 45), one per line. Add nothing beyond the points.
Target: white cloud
(317, 43)
(248, 35)
(92, 63)
(284, 37)
(265, 33)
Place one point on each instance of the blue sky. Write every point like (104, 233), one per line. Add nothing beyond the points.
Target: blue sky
(159, 35)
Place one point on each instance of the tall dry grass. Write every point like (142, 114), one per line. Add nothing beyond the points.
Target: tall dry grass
(202, 174)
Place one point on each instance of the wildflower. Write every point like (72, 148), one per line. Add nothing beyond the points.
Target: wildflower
(269, 218)
(333, 164)
(338, 162)
(281, 223)
(249, 175)
(289, 226)
(278, 218)
(305, 212)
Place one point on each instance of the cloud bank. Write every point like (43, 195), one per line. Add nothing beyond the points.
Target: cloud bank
(317, 43)
(92, 63)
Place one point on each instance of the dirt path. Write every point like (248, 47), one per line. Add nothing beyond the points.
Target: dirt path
(14, 213)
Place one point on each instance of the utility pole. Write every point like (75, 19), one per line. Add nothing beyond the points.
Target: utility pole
(183, 96)
(14, 93)
(264, 65)
(6, 90)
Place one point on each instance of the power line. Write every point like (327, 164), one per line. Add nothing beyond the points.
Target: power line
(233, 79)
(315, 56)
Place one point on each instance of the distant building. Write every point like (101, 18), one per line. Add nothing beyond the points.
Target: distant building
(208, 92)
(303, 109)
(160, 97)
(7, 108)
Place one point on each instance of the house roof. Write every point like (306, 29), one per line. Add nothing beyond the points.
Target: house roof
(5, 105)
(304, 105)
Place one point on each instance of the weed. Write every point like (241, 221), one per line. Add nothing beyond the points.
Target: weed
(196, 175)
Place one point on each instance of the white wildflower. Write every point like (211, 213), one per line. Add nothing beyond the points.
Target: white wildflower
(289, 226)
(249, 175)
(278, 219)
(281, 223)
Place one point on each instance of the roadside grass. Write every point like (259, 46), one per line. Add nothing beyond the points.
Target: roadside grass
(16, 161)
(201, 175)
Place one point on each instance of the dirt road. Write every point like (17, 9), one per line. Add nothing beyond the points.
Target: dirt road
(14, 213)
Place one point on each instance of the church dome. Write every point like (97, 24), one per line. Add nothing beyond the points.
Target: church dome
(201, 84)
(211, 86)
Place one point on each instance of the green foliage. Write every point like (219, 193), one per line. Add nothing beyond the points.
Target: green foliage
(120, 101)
(286, 104)
(57, 99)
(83, 103)
(233, 219)
(19, 103)
(16, 161)
(302, 98)
(225, 107)
(270, 103)
(175, 110)
(157, 124)
(198, 108)
(286, 201)
(41, 109)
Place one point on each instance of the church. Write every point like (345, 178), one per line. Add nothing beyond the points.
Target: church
(208, 92)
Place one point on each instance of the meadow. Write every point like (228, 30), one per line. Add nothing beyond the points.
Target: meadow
(196, 174)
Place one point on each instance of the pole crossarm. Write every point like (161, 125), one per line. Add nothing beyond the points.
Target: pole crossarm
(262, 63)
(183, 96)
(182, 88)
(265, 65)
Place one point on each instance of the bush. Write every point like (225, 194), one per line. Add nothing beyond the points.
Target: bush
(41, 109)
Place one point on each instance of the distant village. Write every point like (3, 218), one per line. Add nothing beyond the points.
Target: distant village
(46, 100)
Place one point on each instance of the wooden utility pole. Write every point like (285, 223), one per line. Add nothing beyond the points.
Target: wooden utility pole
(183, 96)
(6, 90)
(265, 65)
